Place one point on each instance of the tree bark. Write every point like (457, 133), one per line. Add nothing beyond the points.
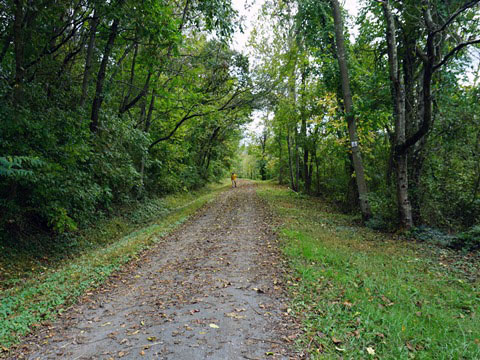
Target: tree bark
(280, 156)
(98, 99)
(348, 103)
(297, 162)
(398, 96)
(19, 52)
(89, 58)
(290, 165)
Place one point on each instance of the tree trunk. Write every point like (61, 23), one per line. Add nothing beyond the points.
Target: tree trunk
(398, 97)
(132, 77)
(306, 173)
(290, 165)
(303, 131)
(89, 58)
(280, 156)
(318, 172)
(19, 52)
(97, 101)
(297, 162)
(348, 102)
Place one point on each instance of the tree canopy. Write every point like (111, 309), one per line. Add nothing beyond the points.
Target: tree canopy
(104, 103)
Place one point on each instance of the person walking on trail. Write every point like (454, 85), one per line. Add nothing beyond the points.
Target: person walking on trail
(234, 179)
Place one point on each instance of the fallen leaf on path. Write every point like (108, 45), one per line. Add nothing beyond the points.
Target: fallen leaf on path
(107, 323)
(213, 326)
(152, 338)
(142, 353)
(235, 316)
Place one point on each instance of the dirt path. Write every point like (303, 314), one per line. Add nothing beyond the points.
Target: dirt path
(212, 290)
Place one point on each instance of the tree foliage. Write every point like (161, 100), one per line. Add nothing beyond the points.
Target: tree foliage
(435, 160)
(104, 102)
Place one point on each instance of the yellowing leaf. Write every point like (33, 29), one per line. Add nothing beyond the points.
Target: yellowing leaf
(235, 316)
(371, 350)
(214, 326)
(152, 338)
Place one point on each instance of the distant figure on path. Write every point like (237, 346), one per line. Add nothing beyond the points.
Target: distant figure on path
(234, 179)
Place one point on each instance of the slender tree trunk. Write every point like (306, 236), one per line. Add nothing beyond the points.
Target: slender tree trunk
(148, 122)
(290, 165)
(398, 96)
(89, 58)
(132, 77)
(476, 184)
(303, 130)
(297, 162)
(306, 174)
(318, 172)
(19, 52)
(98, 99)
(348, 102)
(352, 197)
(280, 156)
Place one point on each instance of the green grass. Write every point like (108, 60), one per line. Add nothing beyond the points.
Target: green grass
(29, 296)
(355, 289)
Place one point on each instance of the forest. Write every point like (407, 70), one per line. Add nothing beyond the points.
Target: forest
(106, 103)
(378, 113)
(353, 228)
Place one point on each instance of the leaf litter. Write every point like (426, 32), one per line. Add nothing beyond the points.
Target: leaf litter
(188, 297)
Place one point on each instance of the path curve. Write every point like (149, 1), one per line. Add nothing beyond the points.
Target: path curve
(211, 290)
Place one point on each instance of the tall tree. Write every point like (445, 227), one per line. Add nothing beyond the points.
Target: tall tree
(349, 111)
(398, 96)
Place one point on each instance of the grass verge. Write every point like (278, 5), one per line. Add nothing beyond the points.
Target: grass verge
(38, 295)
(361, 294)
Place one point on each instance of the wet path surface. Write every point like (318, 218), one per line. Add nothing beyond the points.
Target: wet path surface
(211, 290)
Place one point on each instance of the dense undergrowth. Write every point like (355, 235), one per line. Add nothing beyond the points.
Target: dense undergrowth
(43, 279)
(363, 294)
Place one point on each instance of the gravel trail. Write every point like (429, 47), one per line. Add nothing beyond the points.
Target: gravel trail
(211, 290)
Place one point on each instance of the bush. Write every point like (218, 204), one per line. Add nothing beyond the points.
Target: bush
(468, 240)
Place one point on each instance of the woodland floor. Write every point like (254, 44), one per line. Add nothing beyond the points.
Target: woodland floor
(213, 289)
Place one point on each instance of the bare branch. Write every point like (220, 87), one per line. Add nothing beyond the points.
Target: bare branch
(466, 6)
(454, 51)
